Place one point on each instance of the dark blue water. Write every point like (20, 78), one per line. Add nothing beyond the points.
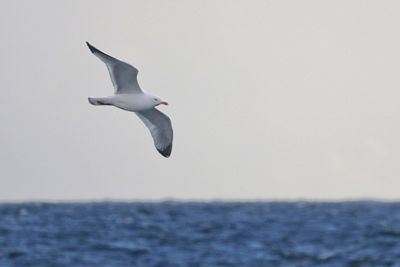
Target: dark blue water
(200, 234)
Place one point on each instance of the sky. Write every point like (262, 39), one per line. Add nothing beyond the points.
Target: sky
(268, 100)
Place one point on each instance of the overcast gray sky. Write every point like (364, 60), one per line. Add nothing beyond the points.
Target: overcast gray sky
(268, 99)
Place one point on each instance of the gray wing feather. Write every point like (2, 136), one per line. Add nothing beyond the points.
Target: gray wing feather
(123, 75)
(160, 128)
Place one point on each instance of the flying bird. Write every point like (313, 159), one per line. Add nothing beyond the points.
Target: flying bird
(129, 96)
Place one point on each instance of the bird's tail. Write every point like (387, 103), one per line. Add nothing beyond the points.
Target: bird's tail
(97, 101)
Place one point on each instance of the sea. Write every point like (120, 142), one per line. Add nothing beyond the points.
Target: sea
(200, 234)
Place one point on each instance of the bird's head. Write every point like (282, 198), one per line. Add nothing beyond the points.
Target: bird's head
(157, 101)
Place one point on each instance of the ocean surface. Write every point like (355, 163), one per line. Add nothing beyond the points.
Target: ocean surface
(200, 234)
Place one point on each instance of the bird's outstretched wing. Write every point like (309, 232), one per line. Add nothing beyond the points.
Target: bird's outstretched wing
(123, 75)
(160, 128)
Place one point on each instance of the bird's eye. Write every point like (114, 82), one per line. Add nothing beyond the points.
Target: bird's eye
(155, 99)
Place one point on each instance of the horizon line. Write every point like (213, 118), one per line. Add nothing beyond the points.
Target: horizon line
(196, 200)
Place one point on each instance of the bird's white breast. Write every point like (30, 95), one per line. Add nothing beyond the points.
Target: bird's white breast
(132, 102)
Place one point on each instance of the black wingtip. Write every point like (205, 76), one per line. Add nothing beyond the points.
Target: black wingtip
(91, 47)
(166, 152)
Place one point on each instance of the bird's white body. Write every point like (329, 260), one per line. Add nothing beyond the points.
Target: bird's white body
(128, 102)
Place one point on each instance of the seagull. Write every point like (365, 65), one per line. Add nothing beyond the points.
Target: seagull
(129, 96)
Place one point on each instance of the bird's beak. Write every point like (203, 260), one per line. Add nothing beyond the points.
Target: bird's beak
(164, 102)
